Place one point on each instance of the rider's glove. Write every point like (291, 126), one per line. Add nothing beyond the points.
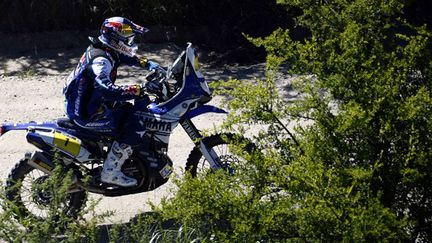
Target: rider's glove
(150, 65)
(134, 89)
(143, 62)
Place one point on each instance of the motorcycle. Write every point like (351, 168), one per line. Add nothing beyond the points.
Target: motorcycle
(62, 143)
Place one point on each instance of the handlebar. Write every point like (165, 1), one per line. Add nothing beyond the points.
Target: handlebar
(162, 70)
(159, 73)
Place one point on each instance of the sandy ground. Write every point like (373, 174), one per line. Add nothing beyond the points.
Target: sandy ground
(30, 90)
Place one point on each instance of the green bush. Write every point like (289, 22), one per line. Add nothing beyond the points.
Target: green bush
(58, 225)
(360, 169)
(88, 226)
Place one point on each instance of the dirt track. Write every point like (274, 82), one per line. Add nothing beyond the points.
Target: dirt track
(30, 90)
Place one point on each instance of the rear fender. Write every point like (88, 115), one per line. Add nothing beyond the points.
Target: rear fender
(6, 127)
(48, 136)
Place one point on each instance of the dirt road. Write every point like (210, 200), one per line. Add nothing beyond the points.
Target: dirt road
(30, 90)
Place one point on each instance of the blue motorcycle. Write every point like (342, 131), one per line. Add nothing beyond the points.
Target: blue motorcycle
(62, 143)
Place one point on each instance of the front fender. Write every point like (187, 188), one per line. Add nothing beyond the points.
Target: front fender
(201, 110)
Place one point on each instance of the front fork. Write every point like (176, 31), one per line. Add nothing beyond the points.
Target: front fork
(196, 137)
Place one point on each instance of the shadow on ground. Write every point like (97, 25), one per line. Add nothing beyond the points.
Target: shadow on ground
(61, 61)
(151, 228)
(146, 227)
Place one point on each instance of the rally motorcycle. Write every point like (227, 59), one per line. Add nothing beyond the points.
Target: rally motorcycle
(62, 143)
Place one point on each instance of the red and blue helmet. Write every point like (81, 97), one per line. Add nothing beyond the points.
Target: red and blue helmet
(118, 33)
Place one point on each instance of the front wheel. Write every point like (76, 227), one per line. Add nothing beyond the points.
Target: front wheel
(220, 144)
(24, 190)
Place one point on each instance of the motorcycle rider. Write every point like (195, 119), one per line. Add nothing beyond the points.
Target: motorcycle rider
(92, 98)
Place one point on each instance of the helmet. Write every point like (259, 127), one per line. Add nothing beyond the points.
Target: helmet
(118, 33)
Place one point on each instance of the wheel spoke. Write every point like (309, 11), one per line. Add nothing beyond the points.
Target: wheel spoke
(227, 159)
(26, 192)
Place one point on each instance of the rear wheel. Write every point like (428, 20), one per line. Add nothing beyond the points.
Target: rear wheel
(220, 144)
(24, 189)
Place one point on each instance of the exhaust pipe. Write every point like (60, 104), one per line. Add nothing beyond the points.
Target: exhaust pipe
(38, 161)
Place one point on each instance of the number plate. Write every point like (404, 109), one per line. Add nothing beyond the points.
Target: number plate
(67, 143)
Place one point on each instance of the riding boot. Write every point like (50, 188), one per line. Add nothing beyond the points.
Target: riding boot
(111, 172)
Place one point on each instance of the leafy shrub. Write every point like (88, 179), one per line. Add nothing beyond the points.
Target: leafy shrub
(360, 169)
(58, 225)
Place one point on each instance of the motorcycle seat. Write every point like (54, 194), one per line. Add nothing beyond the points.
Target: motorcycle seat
(68, 124)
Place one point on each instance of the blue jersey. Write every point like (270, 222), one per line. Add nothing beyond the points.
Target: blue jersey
(90, 88)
